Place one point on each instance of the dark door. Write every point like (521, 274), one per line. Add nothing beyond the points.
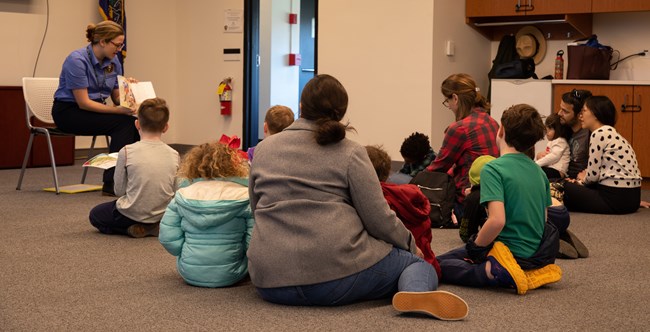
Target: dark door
(308, 51)
(251, 73)
(308, 30)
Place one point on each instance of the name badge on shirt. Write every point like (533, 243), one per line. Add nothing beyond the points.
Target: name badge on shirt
(109, 69)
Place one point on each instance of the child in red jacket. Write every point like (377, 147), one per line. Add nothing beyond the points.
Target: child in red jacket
(408, 202)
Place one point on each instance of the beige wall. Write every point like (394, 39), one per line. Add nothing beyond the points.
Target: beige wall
(381, 53)
(390, 58)
(470, 56)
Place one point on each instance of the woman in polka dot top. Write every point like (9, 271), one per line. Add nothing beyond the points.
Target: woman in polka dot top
(611, 184)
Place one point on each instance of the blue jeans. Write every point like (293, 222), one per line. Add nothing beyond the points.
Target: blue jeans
(399, 270)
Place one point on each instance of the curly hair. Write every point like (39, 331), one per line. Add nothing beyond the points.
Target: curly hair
(380, 161)
(212, 160)
(415, 147)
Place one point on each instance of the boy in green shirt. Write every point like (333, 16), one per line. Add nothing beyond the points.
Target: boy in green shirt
(516, 193)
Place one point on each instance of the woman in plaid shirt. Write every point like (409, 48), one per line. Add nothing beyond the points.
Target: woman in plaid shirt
(472, 135)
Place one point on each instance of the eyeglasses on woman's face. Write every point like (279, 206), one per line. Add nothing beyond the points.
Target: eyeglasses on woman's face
(445, 102)
(118, 46)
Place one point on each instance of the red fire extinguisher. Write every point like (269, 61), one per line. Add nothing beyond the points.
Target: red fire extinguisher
(225, 96)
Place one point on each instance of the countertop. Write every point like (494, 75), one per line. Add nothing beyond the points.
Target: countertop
(594, 82)
(601, 82)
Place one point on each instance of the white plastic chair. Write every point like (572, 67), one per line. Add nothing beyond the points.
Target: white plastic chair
(39, 98)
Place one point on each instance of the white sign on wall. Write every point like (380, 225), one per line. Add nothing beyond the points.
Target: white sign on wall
(233, 20)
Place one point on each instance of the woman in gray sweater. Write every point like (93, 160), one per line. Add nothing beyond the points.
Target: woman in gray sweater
(324, 234)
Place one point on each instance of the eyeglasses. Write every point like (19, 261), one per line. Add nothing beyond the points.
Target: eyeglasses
(119, 46)
(445, 102)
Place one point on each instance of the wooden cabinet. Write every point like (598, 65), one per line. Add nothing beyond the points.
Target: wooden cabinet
(633, 114)
(557, 19)
(482, 8)
(476, 8)
(14, 135)
(613, 6)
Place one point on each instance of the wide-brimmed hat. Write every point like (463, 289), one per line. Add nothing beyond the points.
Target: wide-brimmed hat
(531, 43)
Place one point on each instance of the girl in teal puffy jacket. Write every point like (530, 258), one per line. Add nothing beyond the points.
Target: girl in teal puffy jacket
(208, 224)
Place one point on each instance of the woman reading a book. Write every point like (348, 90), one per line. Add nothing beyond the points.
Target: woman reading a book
(88, 78)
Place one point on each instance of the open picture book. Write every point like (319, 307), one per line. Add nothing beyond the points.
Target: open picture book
(132, 94)
(102, 160)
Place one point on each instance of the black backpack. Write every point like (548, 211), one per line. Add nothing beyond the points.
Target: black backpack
(520, 68)
(440, 189)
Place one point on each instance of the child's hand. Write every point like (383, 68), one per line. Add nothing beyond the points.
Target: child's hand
(541, 155)
(476, 253)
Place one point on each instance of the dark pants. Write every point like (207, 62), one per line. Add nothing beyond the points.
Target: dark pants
(551, 173)
(108, 220)
(459, 270)
(601, 199)
(559, 217)
(120, 127)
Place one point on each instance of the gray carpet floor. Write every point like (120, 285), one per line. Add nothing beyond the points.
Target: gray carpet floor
(57, 273)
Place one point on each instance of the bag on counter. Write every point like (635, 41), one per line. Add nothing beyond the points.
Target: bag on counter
(520, 68)
(589, 61)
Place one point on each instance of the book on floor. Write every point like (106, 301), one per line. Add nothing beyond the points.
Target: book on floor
(132, 94)
(102, 160)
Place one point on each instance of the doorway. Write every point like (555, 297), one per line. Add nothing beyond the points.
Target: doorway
(260, 73)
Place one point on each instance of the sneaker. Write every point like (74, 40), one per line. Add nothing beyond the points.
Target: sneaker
(567, 251)
(574, 241)
(439, 304)
(539, 277)
(143, 230)
(506, 270)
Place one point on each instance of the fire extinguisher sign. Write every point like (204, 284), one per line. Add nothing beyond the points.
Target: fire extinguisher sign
(225, 96)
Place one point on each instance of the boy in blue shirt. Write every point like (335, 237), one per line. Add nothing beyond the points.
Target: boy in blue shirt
(515, 235)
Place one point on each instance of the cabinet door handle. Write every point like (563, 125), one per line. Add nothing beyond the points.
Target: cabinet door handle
(630, 108)
(524, 8)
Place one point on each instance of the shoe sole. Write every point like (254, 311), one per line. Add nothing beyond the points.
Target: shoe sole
(439, 304)
(503, 255)
(580, 247)
(543, 276)
(140, 231)
(567, 251)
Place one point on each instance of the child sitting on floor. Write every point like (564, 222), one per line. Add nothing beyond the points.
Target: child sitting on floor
(555, 160)
(144, 178)
(276, 119)
(208, 224)
(417, 153)
(408, 202)
(475, 214)
(515, 236)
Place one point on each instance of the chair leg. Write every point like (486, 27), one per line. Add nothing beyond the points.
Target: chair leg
(22, 171)
(49, 147)
(90, 155)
